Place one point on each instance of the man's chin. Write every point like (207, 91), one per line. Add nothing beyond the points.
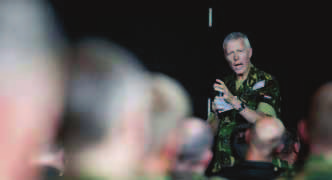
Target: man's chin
(239, 73)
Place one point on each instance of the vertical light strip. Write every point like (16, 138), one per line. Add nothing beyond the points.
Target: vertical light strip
(209, 107)
(210, 17)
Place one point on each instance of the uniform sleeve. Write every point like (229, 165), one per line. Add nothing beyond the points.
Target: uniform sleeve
(266, 109)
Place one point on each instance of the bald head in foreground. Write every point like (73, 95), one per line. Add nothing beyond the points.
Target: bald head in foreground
(265, 136)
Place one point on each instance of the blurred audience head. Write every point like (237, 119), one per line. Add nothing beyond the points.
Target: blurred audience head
(319, 123)
(107, 111)
(194, 152)
(171, 103)
(315, 135)
(266, 135)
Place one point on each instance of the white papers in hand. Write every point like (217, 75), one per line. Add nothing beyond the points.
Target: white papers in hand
(222, 105)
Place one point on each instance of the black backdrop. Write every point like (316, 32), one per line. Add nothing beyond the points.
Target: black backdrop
(289, 41)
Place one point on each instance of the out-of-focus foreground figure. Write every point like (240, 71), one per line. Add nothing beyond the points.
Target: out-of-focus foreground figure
(31, 85)
(171, 104)
(122, 121)
(107, 116)
(318, 128)
(194, 152)
(265, 136)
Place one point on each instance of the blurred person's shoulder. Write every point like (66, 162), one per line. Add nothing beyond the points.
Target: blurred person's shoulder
(164, 177)
(264, 78)
(260, 74)
(316, 167)
(217, 178)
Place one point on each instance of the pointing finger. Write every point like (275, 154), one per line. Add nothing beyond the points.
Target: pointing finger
(219, 81)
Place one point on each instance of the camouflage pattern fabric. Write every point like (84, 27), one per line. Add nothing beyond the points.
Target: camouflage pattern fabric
(286, 169)
(251, 95)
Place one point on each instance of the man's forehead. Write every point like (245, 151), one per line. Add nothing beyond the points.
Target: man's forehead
(235, 44)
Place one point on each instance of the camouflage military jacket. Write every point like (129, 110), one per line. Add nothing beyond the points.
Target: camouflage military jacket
(258, 87)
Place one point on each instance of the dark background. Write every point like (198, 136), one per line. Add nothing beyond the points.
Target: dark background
(290, 41)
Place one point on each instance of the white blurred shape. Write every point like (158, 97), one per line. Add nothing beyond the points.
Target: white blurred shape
(30, 84)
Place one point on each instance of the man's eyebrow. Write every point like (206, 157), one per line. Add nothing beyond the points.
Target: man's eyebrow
(230, 52)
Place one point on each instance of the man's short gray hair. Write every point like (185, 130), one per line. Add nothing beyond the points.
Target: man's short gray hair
(235, 36)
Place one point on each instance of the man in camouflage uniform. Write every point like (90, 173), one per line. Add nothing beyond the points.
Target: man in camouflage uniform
(250, 92)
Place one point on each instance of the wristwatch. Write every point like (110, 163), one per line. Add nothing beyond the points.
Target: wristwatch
(242, 105)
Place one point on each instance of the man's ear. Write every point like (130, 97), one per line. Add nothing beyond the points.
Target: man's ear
(303, 130)
(250, 52)
(247, 136)
(280, 147)
(171, 147)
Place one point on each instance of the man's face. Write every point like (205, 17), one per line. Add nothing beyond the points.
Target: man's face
(238, 56)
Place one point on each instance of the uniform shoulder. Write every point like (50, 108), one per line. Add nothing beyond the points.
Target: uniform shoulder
(264, 75)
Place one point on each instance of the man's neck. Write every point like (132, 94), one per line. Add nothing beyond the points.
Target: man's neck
(254, 154)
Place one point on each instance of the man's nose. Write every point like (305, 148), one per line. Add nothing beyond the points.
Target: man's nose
(236, 56)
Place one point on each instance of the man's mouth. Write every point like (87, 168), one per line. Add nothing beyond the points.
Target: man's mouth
(238, 64)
